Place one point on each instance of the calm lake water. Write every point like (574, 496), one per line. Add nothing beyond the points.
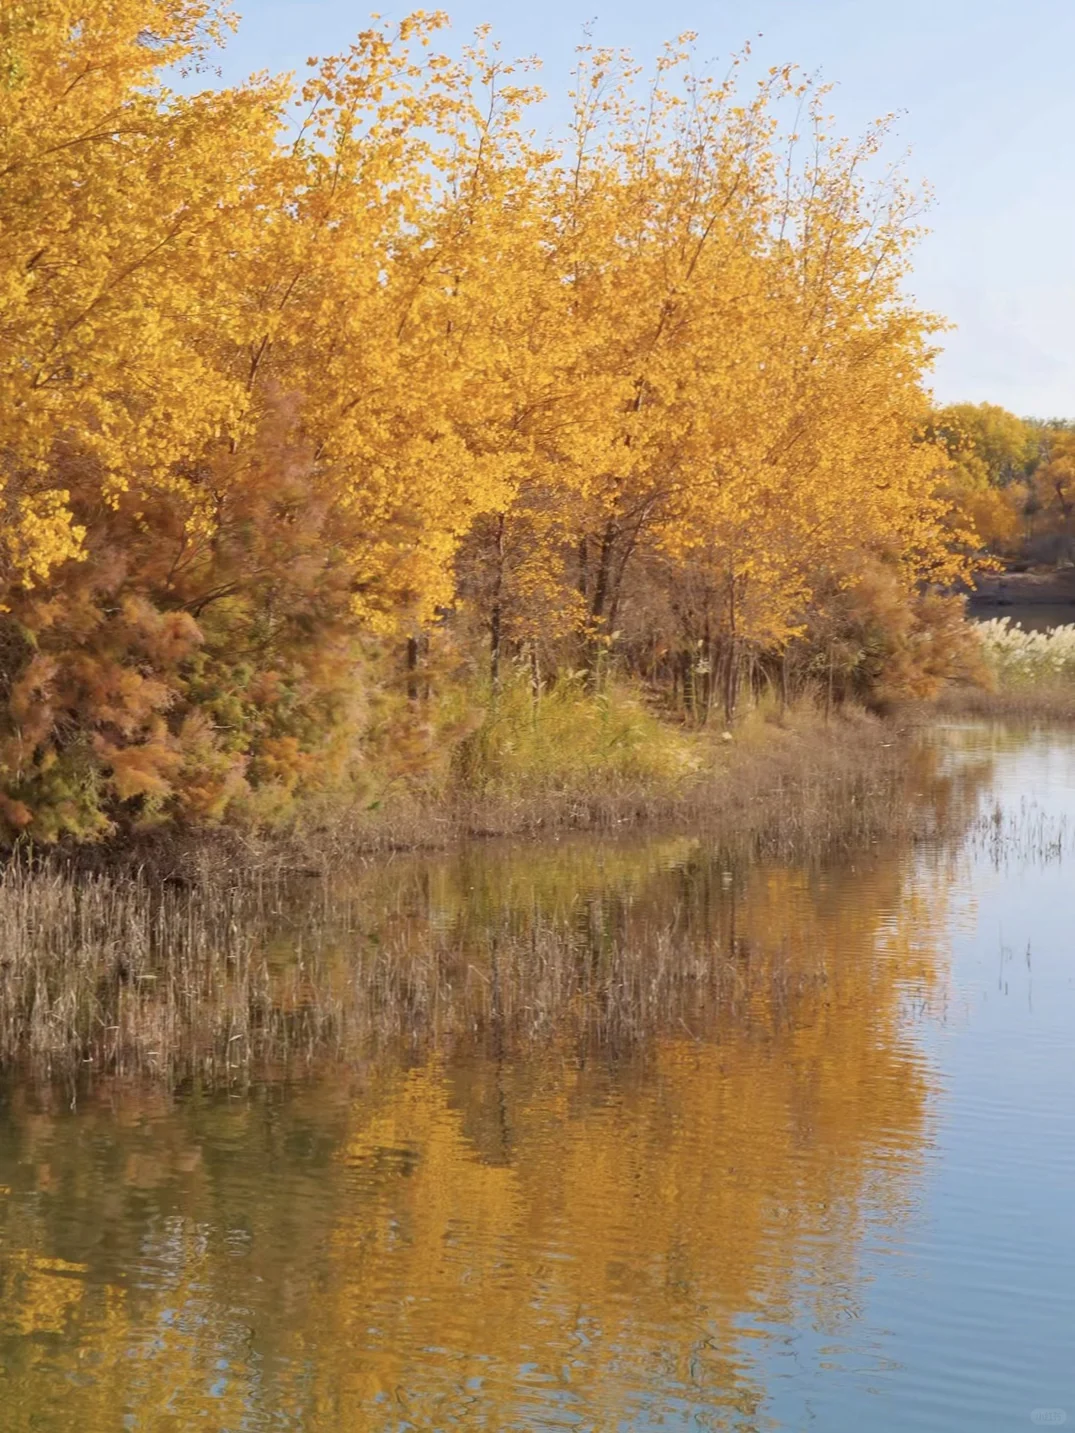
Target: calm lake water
(1030, 616)
(834, 1189)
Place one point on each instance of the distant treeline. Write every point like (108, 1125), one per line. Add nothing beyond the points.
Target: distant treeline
(1012, 479)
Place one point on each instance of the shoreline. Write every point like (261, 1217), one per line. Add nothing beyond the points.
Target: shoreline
(995, 594)
(217, 974)
(777, 785)
(1034, 705)
(211, 971)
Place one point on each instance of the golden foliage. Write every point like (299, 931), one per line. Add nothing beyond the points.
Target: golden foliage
(287, 368)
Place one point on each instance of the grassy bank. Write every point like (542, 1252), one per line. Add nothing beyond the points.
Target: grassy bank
(1052, 702)
(782, 780)
(233, 968)
(779, 778)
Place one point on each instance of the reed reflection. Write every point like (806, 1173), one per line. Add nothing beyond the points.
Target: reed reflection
(624, 1124)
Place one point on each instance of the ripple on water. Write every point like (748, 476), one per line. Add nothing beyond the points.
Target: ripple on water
(837, 1196)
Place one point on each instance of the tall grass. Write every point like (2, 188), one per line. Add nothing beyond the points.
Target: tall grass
(569, 739)
(218, 985)
(1021, 659)
(1032, 674)
(577, 760)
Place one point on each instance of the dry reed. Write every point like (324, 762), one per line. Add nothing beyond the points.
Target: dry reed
(219, 984)
(225, 975)
(781, 785)
(1050, 702)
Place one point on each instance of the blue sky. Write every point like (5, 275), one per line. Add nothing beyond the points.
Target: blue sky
(987, 87)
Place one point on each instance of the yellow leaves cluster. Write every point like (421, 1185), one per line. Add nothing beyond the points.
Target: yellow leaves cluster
(657, 317)
(114, 207)
(714, 367)
(314, 348)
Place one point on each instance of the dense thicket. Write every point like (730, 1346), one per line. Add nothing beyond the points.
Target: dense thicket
(292, 378)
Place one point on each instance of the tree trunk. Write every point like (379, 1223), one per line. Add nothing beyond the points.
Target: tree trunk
(496, 610)
(604, 571)
(597, 603)
(412, 669)
(708, 683)
(687, 667)
(731, 674)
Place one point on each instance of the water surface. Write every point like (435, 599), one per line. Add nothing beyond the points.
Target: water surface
(806, 1160)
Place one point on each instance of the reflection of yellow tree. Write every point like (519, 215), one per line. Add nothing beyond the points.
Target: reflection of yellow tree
(489, 1239)
(39, 1292)
(566, 1235)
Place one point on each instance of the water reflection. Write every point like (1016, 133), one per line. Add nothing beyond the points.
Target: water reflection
(671, 1094)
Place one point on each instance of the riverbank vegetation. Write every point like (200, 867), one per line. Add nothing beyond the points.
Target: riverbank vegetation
(360, 445)
(245, 972)
(1027, 675)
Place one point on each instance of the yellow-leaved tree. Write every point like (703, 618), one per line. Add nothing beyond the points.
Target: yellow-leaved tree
(292, 372)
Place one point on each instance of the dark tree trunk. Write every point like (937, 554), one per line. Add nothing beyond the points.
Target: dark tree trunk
(496, 614)
(604, 572)
(731, 674)
(412, 669)
(598, 602)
